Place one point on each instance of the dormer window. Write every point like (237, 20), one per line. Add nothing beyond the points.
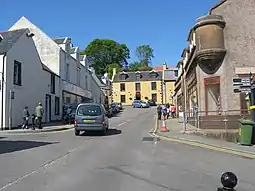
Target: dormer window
(153, 74)
(123, 76)
(138, 75)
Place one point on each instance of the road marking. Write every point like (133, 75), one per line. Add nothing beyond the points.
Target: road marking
(49, 132)
(121, 124)
(202, 145)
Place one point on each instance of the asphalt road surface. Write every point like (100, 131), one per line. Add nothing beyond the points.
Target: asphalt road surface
(124, 160)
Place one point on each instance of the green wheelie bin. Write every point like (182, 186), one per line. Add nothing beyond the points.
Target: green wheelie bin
(245, 131)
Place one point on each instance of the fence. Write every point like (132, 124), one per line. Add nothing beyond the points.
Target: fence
(221, 119)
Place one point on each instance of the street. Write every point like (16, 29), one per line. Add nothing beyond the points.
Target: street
(126, 159)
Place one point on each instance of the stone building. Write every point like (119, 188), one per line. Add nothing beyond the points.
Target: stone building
(221, 48)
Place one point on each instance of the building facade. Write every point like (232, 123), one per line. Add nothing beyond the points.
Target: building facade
(221, 48)
(144, 85)
(25, 80)
(37, 68)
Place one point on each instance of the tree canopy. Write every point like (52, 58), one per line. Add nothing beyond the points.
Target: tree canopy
(110, 68)
(144, 54)
(104, 52)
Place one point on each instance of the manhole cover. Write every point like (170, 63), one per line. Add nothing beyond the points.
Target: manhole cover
(150, 139)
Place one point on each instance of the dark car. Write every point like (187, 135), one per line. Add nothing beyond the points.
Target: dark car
(152, 102)
(114, 108)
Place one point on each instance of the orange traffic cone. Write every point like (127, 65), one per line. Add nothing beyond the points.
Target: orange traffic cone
(164, 128)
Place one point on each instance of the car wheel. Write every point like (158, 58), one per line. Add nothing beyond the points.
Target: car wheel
(76, 132)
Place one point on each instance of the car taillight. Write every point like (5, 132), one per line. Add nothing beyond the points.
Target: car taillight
(75, 122)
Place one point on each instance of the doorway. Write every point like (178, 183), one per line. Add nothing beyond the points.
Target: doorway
(47, 108)
(138, 96)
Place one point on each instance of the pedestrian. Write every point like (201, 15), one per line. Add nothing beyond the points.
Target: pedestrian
(164, 111)
(69, 113)
(39, 115)
(25, 118)
(159, 112)
(173, 111)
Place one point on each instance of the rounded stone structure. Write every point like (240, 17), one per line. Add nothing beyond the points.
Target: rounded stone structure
(210, 42)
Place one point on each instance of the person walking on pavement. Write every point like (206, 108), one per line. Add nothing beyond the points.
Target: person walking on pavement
(164, 111)
(159, 112)
(25, 118)
(39, 114)
(69, 112)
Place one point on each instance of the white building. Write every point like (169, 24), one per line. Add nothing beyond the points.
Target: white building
(36, 68)
(25, 79)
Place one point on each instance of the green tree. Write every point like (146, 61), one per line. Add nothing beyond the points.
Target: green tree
(103, 52)
(144, 54)
(110, 68)
(138, 66)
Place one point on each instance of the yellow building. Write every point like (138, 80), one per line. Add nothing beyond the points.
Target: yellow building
(143, 85)
(130, 86)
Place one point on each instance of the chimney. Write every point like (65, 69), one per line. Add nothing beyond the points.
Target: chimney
(164, 66)
(113, 73)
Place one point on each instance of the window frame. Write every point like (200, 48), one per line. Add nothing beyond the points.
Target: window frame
(122, 89)
(18, 73)
(155, 86)
(57, 105)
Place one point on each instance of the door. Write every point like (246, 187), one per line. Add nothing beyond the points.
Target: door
(47, 112)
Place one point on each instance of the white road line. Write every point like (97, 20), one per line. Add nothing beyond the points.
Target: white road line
(121, 124)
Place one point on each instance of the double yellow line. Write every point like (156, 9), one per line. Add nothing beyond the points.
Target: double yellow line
(237, 152)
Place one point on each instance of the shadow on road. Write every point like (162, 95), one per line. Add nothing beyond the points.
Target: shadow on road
(7, 146)
(110, 132)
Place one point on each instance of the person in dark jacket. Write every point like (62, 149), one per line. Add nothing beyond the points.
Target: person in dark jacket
(159, 111)
(25, 118)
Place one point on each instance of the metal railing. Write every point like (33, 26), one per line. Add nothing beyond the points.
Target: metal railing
(220, 119)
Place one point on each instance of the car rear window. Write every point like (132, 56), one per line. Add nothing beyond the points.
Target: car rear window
(89, 110)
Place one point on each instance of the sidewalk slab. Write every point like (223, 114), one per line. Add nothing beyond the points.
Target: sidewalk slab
(45, 129)
(175, 131)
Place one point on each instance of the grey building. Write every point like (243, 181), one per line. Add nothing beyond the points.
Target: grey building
(221, 48)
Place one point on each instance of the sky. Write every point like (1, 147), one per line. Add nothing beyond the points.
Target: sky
(162, 24)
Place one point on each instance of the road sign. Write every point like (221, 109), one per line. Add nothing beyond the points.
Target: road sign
(242, 85)
(240, 90)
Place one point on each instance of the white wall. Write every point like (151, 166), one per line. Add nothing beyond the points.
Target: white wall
(34, 81)
(48, 50)
(2, 89)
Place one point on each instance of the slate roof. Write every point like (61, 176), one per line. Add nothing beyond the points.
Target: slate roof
(73, 50)
(9, 39)
(170, 75)
(59, 40)
(131, 76)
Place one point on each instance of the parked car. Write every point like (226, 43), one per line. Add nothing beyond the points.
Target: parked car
(152, 102)
(114, 108)
(120, 105)
(91, 117)
(139, 104)
(109, 111)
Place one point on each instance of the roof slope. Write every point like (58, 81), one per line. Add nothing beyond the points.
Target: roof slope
(131, 76)
(9, 39)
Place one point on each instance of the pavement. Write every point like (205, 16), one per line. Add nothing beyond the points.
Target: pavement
(127, 158)
(176, 133)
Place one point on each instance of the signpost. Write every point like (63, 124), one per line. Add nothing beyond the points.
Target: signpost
(246, 85)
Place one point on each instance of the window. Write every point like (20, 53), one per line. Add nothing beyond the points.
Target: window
(86, 82)
(154, 97)
(176, 73)
(212, 96)
(52, 84)
(122, 87)
(153, 74)
(89, 110)
(78, 76)
(123, 99)
(138, 76)
(153, 86)
(17, 73)
(57, 105)
(137, 86)
(123, 76)
(67, 72)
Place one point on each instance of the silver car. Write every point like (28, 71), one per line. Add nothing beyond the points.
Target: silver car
(91, 117)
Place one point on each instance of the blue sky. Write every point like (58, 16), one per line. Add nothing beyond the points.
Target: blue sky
(163, 24)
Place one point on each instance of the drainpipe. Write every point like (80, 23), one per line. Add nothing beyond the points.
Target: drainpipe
(2, 94)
